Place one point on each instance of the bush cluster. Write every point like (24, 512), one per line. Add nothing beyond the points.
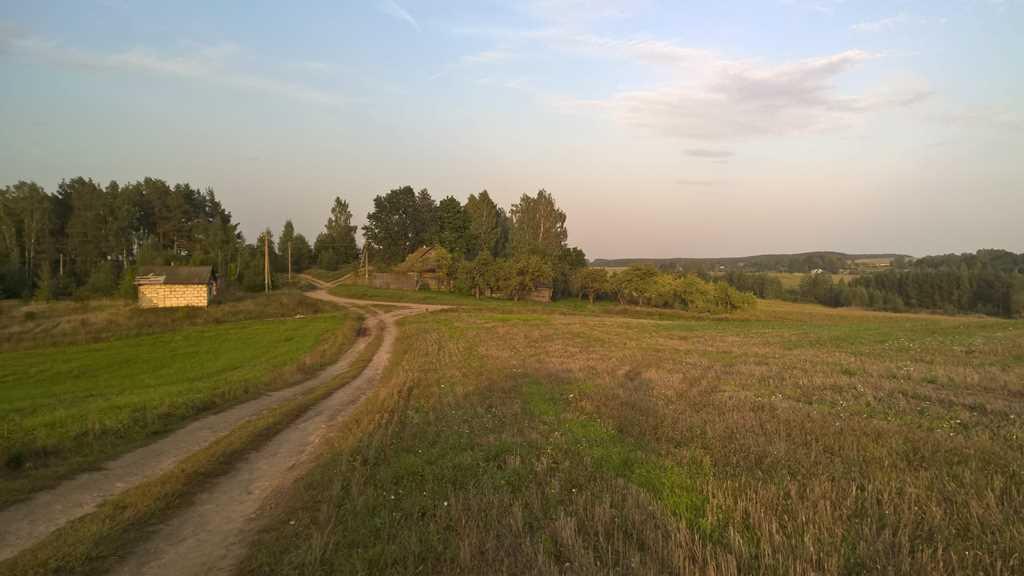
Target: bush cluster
(647, 286)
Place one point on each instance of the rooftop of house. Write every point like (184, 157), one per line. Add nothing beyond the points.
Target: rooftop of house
(173, 275)
(424, 259)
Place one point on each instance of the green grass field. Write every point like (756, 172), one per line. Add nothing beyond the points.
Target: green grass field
(791, 439)
(93, 543)
(67, 407)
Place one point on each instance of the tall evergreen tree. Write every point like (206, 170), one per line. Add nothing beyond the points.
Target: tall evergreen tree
(86, 238)
(302, 253)
(285, 244)
(336, 245)
(425, 223)
(453, 226)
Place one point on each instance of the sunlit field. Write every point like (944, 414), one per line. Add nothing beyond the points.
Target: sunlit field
(789, 439)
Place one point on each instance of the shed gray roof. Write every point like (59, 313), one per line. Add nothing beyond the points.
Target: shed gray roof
(148, 275)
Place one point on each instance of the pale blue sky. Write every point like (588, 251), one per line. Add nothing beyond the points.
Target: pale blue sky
(663, 128)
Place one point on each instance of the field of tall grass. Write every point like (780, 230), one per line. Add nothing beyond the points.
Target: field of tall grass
(792, 439)
(141, 373)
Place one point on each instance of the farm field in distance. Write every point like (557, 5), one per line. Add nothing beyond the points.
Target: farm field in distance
(791, 280)
(790, 439)
(91, 382)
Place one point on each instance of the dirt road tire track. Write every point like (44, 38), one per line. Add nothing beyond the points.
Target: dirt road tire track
(28, 522)
(210, 537)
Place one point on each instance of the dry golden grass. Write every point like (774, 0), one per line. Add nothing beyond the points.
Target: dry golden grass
(791, 439)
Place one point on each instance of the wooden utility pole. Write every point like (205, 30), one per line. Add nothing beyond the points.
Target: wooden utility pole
(266, 261)
(289, 261)
(366, 264)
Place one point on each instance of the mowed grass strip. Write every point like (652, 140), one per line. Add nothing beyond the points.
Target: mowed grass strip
(92, 544)
(65, 409)
(790, 440)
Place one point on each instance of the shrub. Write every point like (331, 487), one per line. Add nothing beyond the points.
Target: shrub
(126, 287)
(524, 274)
(46, 285)
(102, 282)
(590, 282)
(645, 286)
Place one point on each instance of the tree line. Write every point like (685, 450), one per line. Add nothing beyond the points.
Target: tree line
(80, 239)
(986, 282)
(85, 239)
(484, 248)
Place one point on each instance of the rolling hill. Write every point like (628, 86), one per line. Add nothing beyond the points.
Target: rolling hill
(799, 262)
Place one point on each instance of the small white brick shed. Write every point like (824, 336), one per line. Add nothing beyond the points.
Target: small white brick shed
(173, 286)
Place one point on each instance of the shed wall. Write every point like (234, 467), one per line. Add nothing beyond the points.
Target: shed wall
(170, 296)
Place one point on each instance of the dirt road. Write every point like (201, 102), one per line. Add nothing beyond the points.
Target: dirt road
(323, 284)
(210, 536)
(28, 522)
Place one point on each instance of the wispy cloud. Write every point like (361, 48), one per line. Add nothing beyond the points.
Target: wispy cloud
(211, 63)
(722, 99)
(391, 8)
(895, 22)
(705, 97)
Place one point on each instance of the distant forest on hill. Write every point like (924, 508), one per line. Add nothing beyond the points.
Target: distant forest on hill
(988, 281)
(832, 262)
(985, 282)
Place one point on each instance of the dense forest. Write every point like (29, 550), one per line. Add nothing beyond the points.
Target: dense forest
(80, 239)
(85, 239)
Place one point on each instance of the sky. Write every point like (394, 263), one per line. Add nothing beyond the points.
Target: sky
(661, 128)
